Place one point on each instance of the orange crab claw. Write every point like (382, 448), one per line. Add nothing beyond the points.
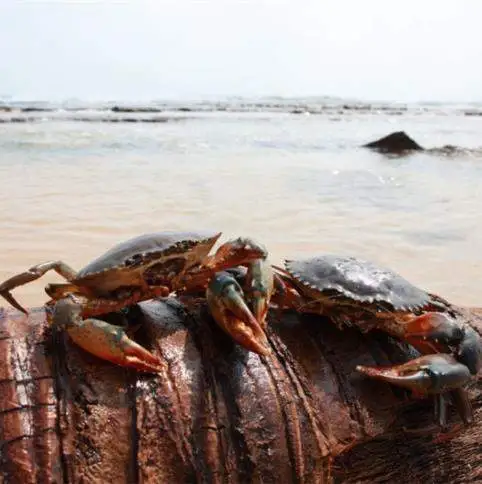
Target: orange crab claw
(233, 253)
(437, 332)
(102, 339)
(229, 310)
(237, 252)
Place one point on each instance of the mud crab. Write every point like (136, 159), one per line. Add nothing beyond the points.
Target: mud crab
(141, 268)
(358, 292)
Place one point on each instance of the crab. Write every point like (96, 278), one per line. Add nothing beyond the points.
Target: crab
(142, 268)
(353, 291)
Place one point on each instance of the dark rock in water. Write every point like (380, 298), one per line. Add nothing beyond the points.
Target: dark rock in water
(33, 109)
(5, 109)
(156, 119)
(19, 120)
(397, 142)
(140, 109)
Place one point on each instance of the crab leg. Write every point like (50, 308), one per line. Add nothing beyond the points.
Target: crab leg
(33, 274)
(98, 306)
(229, 310)
(286, 295)
(102, 339)
(59, 290)
(436, 375)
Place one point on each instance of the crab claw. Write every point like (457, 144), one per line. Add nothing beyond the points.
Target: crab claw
(259, 288)
(232, 253)
(227, 305)
(429, 374)
(434, 328)
(437, 375)
(102, 339)
(470, 350)
(437, 331)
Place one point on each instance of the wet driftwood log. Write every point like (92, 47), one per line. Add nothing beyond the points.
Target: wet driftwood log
(217, 414)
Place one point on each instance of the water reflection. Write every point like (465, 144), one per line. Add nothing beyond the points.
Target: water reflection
(71, 191)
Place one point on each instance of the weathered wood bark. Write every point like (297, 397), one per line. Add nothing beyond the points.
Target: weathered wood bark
(217, 414)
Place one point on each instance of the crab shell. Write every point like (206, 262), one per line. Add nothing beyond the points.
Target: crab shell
(358, 280)
(155, 258)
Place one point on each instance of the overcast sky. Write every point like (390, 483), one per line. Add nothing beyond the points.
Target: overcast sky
(141, 50)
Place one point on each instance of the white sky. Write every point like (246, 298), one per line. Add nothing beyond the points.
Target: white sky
(141, 50)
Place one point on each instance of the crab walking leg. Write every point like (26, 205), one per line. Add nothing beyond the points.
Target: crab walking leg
(33, 274)
(102, 339)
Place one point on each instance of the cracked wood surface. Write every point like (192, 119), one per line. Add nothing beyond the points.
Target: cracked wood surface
(217, 414)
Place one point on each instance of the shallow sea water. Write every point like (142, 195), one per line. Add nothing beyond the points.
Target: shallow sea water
(299, 183)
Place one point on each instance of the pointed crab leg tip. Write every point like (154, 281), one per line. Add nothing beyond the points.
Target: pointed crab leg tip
(260, 344)
(144, 367)
(264, 352)
(258, 347)
(13, 302)
(367, 370)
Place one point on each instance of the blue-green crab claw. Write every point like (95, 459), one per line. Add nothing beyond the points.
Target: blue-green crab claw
(436, 374)
(259, 288)
(227, 305)
(428, 374)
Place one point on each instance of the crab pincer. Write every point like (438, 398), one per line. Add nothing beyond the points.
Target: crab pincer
(258, 283)
(104, 340)
(228, 307)
(437, 332)
(437, 374)
(259, 288)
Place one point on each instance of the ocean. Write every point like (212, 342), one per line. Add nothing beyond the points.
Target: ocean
(78, 177)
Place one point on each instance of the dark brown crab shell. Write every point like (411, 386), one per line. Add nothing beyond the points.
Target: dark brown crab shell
(162, 253)
(359, 280)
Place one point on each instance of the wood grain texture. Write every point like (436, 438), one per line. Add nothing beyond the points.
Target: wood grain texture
(218, 414)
